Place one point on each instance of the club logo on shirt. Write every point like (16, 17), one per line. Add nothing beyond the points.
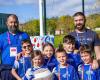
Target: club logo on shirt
(20, 37)
(21, 61)
(66, 75)
(89, 72)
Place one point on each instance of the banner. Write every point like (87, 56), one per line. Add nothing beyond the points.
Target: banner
(39, 41)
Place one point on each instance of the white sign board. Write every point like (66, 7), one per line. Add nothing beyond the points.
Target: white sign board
(39, 41)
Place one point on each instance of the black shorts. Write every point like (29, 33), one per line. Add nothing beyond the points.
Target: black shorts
(5, 72)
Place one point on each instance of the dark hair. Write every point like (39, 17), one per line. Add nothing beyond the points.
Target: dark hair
(26, 41)
(79, 14)
(14, 16)
(36, 53)
(68, 39)
(85, 48)
(49, 44)
(60, 49)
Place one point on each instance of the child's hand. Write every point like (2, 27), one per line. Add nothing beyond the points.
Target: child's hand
(19, 55)
(76, 51)
(95, 64)
(98, 61)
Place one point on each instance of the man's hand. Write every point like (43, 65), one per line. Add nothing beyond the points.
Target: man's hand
(98, 62)
(95, 64)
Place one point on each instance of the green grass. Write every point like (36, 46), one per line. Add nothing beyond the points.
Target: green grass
(58, 39)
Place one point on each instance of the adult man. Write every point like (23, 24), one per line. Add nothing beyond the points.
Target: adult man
(10, 45)
(84, 35)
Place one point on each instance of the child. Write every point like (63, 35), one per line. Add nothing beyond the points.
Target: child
(48, 52)
(73, 56)
(85, 70)
(19, 68)
(64, 71)
(37, 63)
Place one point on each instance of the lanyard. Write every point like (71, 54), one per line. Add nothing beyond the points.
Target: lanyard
(24, 65)
(82, 72)
(59, 78)
(8, 38)
(89, 73)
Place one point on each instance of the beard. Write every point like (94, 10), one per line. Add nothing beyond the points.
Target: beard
(13, 29)
(80, 27)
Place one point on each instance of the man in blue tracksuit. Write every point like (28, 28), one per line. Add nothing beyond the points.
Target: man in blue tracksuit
(10, 45)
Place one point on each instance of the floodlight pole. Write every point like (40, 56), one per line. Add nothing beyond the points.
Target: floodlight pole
(83, 6)
(42, 13)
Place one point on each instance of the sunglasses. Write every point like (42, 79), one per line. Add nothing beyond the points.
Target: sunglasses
(26, 46)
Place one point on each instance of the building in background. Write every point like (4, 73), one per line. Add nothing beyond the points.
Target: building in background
(3, 18)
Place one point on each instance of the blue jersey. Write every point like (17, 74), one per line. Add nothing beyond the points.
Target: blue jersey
(88, 37)
(51, 63)
(87, 73)
(99, 73)
(22, 65)
(66, 73)
(74, 59)
(7, 41)
(30, 73)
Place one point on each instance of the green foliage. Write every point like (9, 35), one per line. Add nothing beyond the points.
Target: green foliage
(32, 27)
(51, 25)
(64, 23)
(93, 21)
(58, 40)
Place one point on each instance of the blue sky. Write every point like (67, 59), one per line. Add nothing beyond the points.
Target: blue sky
(29, 9)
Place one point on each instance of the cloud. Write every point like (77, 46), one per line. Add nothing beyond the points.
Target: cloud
(62, 7)
(69, 7)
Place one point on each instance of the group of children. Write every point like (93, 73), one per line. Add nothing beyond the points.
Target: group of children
(65, 62)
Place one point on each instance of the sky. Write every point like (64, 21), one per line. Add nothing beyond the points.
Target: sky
(29, 9)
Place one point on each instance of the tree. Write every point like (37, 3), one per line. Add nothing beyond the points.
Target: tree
(32, 27)
(65, 23)
(51, 25)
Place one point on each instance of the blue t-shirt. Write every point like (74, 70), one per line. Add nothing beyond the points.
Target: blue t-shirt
(87, 73)
(87, 37)
(51, 63)
(8, 40)
(74, 59)
(22, 65)
(66, 72)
